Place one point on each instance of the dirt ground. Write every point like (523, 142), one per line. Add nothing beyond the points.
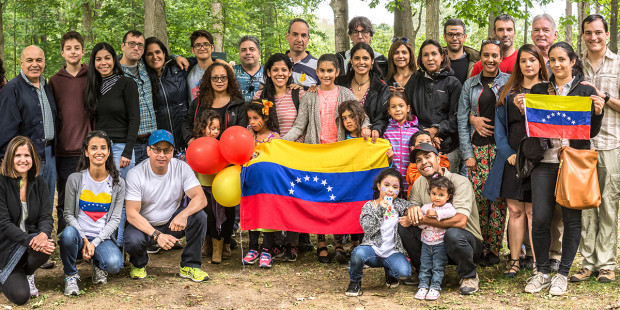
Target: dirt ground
(303, 284)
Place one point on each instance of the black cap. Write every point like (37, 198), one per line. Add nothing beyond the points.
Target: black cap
(422, 147)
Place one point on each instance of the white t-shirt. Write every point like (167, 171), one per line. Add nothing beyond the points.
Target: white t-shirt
(95, 201)
(160, 195)
(388, 227)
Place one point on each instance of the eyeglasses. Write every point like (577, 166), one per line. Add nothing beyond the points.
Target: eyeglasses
(251, 87)
(451, 35)
(133, 44)
(158, 151)
(205, 45)
(222, 78)
(403, 39)
(357, 32)
(487, 41)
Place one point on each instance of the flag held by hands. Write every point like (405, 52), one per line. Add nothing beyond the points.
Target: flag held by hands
(563, 117)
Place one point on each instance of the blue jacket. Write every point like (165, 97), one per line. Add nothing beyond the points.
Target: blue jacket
(493, 185)
(468, 105)
(20, 114)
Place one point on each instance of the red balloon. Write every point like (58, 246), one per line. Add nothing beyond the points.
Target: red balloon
(204, 156)
(237, 145)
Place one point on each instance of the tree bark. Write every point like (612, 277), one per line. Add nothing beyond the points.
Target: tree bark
(403, 20)
(341, 20)
(417, 29)
(581, 14)
(568, 30)
(218, 25)
(432, 19)
(613, 27)
(87, 21)
(155, 20)
(525, 25)
(2, 33)
(490, 31)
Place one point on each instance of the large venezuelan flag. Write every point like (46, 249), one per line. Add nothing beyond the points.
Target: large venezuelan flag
(310, 188)
(564, 117)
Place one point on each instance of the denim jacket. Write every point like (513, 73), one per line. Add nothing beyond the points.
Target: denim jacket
(468, 105)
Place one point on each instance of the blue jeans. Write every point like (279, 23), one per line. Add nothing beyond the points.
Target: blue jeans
(107, 255)
(139, 150)
(433, 261)
(117, 151)
(49, 172)
(396, 265)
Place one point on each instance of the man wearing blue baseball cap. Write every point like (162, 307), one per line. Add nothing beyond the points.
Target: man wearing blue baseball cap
(155, 215)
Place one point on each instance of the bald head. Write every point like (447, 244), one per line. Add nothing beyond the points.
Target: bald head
(32, 63)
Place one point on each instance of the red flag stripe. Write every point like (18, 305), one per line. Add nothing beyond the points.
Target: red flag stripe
(579, 132)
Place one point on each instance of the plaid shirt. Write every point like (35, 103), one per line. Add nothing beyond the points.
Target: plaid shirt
(148, 122)
(607, 79)
(46, 110)
(399, 138)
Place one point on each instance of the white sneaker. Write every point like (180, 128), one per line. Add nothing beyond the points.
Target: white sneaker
(421, 294)
(537, 283)
(432, 294)
(100, 276)
(71, 285)
(34, 292)
(559, 284)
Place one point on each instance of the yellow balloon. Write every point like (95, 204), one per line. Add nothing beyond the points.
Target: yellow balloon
(227, 186)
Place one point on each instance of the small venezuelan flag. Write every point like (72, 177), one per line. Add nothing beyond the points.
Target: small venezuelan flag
(563, 117)
(310, 188)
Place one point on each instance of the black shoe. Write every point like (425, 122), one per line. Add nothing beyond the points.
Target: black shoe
(323, 259)
(554, 264)
(355, 289)
(391, 282)
(411, 280)
(153, 249)
(340, 256)
(527, 263)
(305, 245)
(489, 260)
(177, 245)
(290, 254)
(233, 243)
(48, 265)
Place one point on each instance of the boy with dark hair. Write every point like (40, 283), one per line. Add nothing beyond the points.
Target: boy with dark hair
(202, 44)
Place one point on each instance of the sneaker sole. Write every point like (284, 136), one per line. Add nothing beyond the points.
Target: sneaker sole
(265, 266)
(353, 294)
(71, 294)
(392, 285)
(195, 280)
(605, 280)
(152, 251)
(468, 293)
(100, 282)
(431, 298)
(537, 290)
(573, 279)
(249, 263)
(137, 277)
(556, 293)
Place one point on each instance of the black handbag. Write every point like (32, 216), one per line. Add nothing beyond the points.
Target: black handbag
(529, 153)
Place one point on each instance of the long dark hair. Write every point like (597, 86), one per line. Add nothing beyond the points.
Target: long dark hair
(93, 86)
(205, 92)
(357, 113)
(578, 67)
(271, 120)
(84, 162)
(391, 66)
(445, 61)
(384, 173)
(269, 90)
(152, 73)
(515, 82)
(373, 69)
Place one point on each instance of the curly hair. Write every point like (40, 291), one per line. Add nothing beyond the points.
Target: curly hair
(441, 182)
(382, 175)
(204, 120)
(205, 92)
(271, 120)
(357, 113)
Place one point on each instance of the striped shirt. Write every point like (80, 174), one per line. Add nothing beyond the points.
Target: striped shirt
(399, 136)
(285, 108)
(108, 82)
(46, 109)
(304, 71)
(246, 81)
(148, 123)
(607, 79)
(328, 100)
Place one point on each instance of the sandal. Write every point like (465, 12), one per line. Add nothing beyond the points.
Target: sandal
(513, 269)
(323, 259)
(340, 255)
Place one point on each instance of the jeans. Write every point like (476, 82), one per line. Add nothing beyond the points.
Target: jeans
(396, 265)
(462, 247)
(139, 150)
(117, 151)
(49, 172)
(544, 177)
(136, 241)
(107, 255)
(433, 261)
(16, 288)
(65, 166)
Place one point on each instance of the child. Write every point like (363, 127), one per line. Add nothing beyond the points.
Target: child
(318, 119)
(434, 257)
(382, 246)
(352, 115)
(412, 171)
(402, 125)
(264, 127)
(207, 125)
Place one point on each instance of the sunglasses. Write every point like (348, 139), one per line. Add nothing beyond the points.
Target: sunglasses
(251, 87)
(403, 39)
(487, 41)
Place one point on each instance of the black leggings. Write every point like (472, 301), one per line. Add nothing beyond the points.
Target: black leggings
(544, 177)
(268, 240)
(16, 288)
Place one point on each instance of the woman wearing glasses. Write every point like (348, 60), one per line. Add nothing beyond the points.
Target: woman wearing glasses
(112, 98)
(169, 83)
(401, 64)
(476, 118)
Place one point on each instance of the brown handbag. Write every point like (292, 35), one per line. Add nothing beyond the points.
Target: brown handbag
(577, 184)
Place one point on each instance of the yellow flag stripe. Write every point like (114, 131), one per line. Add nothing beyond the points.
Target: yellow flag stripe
(558, 103)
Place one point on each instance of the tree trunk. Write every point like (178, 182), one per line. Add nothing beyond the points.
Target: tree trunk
(525, 25)
(491, 23)
(2, 34)
(218, 25)
(613, 27)
(155, 20)
(581, 15)
(568, 30)
(597, 7)
(432, 19)
(341, 20)
(403, 21)
(87, 22)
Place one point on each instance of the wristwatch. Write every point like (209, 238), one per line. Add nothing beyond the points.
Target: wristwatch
(607, 97)
(155, 234)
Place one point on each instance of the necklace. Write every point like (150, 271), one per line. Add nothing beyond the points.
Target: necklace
(359, 86)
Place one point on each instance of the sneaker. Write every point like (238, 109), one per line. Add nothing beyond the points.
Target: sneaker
(278, 252)
(581, 275)
(71, 285)
(34, 292)
(558, 285)
(606, 276)
(153, 249)
(537, 283)
(391, 282)
(421, 294)
(354, 289)
(137, 273)
(250, 258)
(554, 264)
(432, 294)
(290, 254)
(469, 285)
(265, 260)
(193, 273)
(48, 265)
(100, 276)
(411, 280)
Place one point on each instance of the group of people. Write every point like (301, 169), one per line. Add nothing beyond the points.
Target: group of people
(110, 136)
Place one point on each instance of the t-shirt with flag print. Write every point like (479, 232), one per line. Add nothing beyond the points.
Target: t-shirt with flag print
(95, 200)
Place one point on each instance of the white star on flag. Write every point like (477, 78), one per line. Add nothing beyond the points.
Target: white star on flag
(548, 116)
(563, 114)
(324, 182)
(332, 197)
(306, 178)
(552, 114)
(544, 120)
(573, 122)
(568, 118)
(292, 184)
(329, 188)
(298, 180)
(315, 179)
(291, 191)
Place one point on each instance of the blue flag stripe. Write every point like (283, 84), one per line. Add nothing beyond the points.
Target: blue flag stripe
(566, 118)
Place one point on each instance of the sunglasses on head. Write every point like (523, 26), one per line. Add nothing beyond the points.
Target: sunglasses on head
(487, 41)
(403, 39)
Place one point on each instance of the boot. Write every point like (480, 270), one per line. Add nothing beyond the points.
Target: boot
(217, 251)
(207, 247)
(226, 252)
